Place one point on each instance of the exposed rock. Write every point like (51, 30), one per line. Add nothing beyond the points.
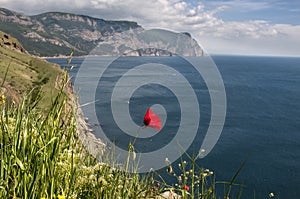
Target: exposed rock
(56, 33)
(9, 42)
(154, 42)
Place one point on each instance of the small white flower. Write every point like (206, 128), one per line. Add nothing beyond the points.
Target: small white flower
(167, 161)
(133, 155)
(102, 181)
(179, 179)
(92, 177)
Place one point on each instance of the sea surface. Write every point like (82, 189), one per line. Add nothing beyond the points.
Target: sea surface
(262, 124)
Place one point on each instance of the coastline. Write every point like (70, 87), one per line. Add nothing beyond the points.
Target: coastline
(63, 56)
(95, 146)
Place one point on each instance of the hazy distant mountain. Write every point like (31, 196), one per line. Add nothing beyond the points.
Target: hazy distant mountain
(154, 42)
(55, 33)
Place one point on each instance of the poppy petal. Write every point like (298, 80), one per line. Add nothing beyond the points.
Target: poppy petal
(152, 120)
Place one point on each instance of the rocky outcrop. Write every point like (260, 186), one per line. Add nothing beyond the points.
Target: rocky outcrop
(11, 43)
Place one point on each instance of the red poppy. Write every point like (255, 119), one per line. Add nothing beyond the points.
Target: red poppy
(185, 187)
(152, 120)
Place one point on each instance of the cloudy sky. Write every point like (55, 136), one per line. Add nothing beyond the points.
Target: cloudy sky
(251, 27)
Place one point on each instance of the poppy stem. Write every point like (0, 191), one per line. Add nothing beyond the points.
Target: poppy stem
(137, 134)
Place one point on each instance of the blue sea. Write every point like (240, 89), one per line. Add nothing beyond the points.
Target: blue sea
(262, 124)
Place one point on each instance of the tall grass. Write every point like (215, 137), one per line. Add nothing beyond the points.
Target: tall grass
(31, 144)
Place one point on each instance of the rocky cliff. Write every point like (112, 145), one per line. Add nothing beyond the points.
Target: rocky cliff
(154, 42)
(55, 34)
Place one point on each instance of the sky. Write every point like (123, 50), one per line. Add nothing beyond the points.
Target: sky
(241, 27)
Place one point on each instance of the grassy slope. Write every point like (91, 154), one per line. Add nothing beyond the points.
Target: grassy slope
(26, 72)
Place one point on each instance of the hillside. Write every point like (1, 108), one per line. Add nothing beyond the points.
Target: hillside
(22, 72)
(55, 34)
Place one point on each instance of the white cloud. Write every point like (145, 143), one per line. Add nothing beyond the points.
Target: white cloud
(246, 5)
(214, 34)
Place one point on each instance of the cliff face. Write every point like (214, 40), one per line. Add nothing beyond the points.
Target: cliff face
(154, 42)
(54, 34)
